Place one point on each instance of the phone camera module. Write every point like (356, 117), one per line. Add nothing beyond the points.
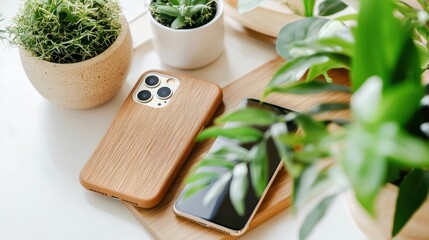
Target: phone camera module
(164, 93)
(144, 96)
(152, 81)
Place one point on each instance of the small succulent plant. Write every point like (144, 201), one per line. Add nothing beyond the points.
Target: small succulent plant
(183, 14)
(65, 31)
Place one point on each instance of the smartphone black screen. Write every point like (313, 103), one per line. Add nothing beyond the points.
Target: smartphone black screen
(220, 211)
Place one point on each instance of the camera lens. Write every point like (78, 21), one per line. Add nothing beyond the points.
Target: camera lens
(164, 93)
(144, 96)
(152, 81)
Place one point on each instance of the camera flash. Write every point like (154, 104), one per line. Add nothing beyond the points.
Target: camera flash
(171, 81)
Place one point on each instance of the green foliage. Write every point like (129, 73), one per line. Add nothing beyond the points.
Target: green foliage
(66, 31)
(183, 14)
(250, 116)
(309, 7)
(413, 192)
(380, 44)
(387, 137)
(329, 7)
(242, 134)
(314, 217)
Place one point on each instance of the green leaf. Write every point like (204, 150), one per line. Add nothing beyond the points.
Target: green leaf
(424, 56)
(238, 188)
(331, 47)
(292, 139)
(364, 166)
(328, 107)
(201, 176)
(349, 17)
(312, 87)
(196, 9)
(400, 103)
(407, 66)
(293, 70)
(196, 188)
(179, 22)
(309, 7)
(259, 167)
(401, 147)
(247, 5)
(413, 192)
(242, 134)
(195, 2)
(304, 184)
(276, 131)
(304, 30)
(319, 69)
(314, 130)
(231, 152)
(315, 216)
(378, 40)
(168, 10)
(251, 116)
(216, 161)
(185, 3)
(217, 188)
(174, 2)
(329, 7)
(366, 100)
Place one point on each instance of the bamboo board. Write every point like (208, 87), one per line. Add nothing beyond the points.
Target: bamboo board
(161, 221)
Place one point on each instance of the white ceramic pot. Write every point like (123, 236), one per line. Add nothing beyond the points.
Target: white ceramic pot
(190, 48)
(84, 84)
(380, 228)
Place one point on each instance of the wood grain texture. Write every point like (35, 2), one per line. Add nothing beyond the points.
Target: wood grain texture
(145, 147)
(161, 221)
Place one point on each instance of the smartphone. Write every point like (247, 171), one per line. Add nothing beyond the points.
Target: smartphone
(219, 213)
(150, 137)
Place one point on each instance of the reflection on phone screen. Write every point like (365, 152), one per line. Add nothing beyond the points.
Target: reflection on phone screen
(220, 211)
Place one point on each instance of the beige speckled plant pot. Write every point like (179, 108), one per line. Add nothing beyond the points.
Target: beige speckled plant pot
(381, 227)
(85, 84)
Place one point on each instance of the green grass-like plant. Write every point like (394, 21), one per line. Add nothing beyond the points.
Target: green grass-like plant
(183, 14)
(2, 31)
(66, 31)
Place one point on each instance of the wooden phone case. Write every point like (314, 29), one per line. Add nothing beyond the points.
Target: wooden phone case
(144, 147)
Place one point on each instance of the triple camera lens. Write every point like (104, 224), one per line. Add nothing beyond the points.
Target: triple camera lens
(153, 81)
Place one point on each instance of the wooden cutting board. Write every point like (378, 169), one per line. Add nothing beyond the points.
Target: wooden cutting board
(161, 221)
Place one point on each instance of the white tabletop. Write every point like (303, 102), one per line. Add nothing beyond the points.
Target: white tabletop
(43, 147)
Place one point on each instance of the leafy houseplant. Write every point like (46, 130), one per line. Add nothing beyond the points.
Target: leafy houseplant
(183, 14)
(67, 48)
(187, 33)
(386, 141)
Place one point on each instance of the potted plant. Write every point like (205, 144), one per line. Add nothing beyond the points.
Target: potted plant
(187, 33)
(75, 53)
(380, 156)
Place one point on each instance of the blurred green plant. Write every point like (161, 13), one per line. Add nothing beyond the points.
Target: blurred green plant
(183, 14)
(387, 140)
(66, 31)
(2, 31)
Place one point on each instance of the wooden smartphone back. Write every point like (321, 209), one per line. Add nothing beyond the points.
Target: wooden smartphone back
(144, 147)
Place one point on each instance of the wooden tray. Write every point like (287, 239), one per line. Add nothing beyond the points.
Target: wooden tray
(161, 221)
(268, 18)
